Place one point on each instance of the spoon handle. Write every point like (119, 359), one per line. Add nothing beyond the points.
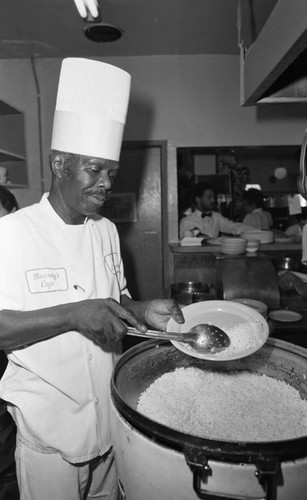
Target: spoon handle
(155, 334)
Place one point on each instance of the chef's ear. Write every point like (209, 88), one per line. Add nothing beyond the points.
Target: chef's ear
(58, 165)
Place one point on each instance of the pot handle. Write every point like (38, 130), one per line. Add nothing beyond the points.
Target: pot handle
(301, 183)
(266, 473)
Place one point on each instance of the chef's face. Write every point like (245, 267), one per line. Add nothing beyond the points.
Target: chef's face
(207, 201)
(86, 184)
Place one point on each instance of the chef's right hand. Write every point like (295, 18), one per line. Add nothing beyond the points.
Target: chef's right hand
(103, 320)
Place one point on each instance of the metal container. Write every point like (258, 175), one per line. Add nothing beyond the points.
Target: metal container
(189, 292)
(287, 263)
(252, 277)
(155, 461)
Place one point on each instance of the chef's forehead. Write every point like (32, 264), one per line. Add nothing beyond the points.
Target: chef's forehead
(70, 157)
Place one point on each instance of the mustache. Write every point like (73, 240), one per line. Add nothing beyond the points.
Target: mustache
(103, 193)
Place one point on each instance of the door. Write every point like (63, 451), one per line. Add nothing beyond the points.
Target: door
(136, 209)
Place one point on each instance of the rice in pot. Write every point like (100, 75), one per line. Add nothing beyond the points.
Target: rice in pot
(233, 406)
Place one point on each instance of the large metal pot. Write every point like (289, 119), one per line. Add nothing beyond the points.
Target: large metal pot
(155, 461)
(189, 292)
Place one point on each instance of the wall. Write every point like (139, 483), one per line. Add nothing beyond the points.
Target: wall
(17, 88)
(187, 100)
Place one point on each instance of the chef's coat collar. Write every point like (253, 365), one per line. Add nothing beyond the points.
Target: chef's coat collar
(49, 208)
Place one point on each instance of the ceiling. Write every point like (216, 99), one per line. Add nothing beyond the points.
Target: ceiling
(54, 28)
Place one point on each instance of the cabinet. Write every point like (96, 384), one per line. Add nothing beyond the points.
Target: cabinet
(12, 146)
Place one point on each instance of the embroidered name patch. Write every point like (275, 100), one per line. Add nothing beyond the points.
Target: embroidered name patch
(47, 280)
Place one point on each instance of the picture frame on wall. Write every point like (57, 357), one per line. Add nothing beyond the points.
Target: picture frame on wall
(121, 207)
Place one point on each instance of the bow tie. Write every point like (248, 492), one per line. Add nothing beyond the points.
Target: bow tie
(206, 214)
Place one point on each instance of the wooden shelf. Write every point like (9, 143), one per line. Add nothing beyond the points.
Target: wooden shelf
(9, 156)
(14, 186)
(12, 146)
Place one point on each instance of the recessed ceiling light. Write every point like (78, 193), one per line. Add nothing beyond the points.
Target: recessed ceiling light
(102, 32)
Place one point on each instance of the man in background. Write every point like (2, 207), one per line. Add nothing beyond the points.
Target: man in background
(206, 219)
(255, 215)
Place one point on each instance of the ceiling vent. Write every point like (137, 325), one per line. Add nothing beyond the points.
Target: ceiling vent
(94, 29)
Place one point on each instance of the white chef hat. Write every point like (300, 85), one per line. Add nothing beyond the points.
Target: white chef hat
(91, 108)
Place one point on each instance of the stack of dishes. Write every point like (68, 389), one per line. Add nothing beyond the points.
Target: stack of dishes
(263, 236)
(258, 306)
(233, 246)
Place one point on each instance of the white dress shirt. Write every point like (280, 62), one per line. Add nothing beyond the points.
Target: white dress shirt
(259, 219)
(211, 226)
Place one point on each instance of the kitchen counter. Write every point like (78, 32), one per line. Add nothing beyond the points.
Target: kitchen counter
(207, 248)
(189, 263)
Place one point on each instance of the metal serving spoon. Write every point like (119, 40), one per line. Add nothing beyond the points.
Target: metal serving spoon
(202, 338)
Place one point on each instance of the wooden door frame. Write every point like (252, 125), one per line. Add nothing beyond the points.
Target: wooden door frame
(167, 202)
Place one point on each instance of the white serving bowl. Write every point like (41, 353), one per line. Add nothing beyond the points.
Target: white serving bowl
(252, 245)
(263, 236)
(223, 314)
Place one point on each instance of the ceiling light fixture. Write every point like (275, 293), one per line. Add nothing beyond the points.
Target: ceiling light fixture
(86, 7)
(94, 29)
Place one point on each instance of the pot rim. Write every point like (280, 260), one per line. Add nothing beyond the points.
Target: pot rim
(230, 451)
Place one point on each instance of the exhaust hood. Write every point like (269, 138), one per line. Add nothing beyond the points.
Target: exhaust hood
(274, 68)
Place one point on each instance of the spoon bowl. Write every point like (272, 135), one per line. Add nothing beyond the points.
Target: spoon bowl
(209, 338)
(203, 337)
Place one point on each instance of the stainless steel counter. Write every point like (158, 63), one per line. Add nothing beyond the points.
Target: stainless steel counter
(207, 248)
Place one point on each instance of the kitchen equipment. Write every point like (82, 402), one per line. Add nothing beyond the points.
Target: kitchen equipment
(287, 263)
(237, 320)
(201, 338)
(283, 239)
(264, 237)
(252, 246)
(154, 461)
(189, 292)
(260, 307)
(247, 276)
(233, 246)
(285, 315)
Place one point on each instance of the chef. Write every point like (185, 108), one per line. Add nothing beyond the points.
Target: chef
(64, 302)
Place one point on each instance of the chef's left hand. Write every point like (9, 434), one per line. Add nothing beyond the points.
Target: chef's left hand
(159, 311)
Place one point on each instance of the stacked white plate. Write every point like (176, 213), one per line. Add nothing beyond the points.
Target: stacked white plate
(263, 236)
(261, 307)
(233, 246)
